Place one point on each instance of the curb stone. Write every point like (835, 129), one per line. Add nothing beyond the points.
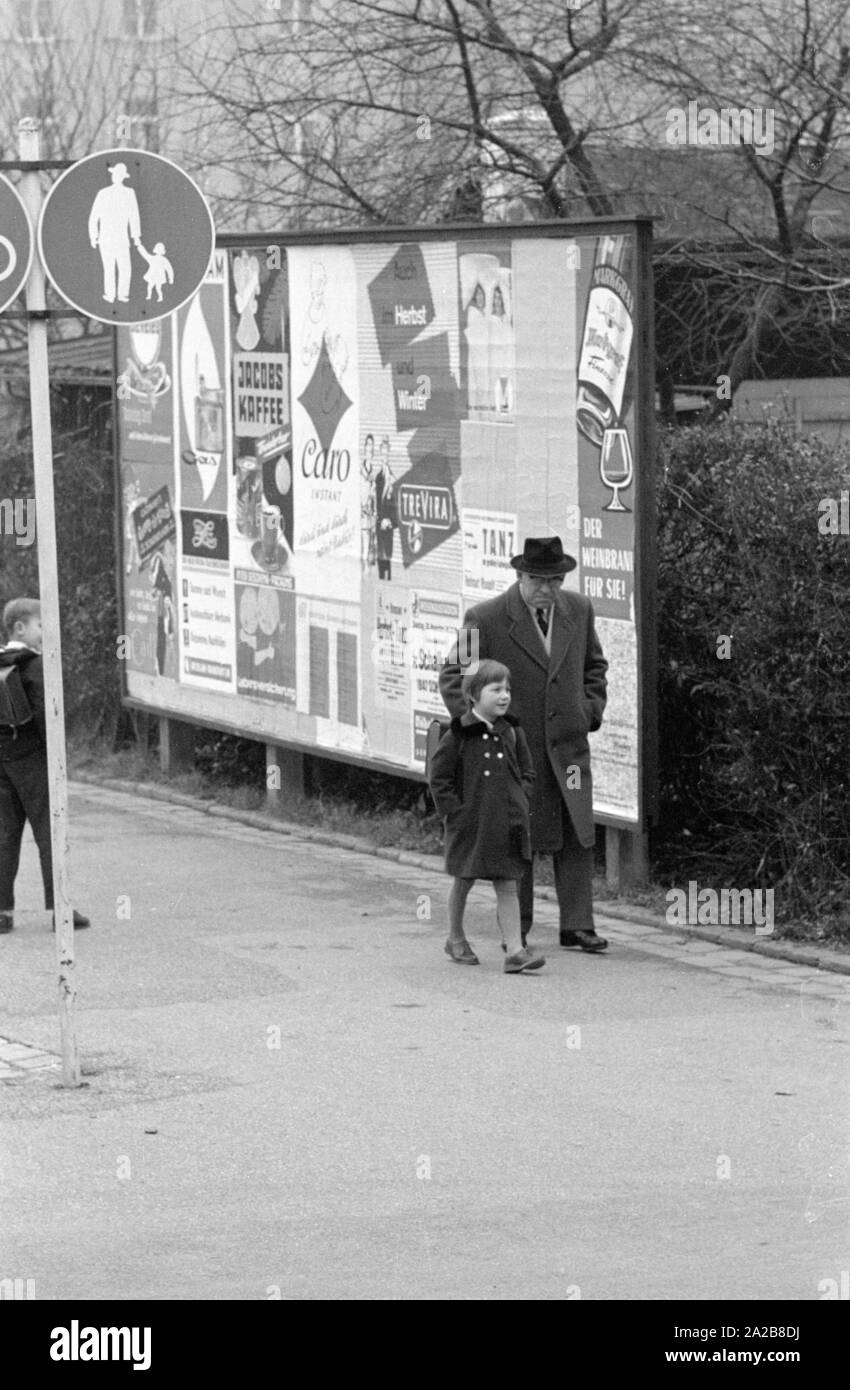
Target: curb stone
(732, 938)
(18, 1059)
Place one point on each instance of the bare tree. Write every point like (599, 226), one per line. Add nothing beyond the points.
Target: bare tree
(420, 110)
(384, 110)
(785, 66)
(339, 112)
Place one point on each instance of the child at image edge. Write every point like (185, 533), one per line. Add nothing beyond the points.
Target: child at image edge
(481, 774)
(24, 787)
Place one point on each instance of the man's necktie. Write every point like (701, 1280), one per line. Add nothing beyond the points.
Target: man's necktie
(542, 620)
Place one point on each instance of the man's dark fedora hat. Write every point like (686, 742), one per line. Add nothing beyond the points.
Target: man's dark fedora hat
(543, 555)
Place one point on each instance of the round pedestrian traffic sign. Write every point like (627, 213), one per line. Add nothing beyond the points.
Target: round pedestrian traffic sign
(125, 236)
(16, 243)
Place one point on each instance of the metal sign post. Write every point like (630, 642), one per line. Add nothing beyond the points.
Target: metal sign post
(54, 704)
(85, 226)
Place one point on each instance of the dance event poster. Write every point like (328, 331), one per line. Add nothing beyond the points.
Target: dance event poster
(333, 451)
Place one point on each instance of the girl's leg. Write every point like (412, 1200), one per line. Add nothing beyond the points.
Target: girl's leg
(458, 894)
(507, 913)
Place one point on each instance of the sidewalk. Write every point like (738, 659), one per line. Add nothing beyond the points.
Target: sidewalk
(816, 955)
(291, 1091)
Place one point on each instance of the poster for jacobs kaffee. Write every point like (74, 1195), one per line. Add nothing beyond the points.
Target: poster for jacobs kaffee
(334, 450)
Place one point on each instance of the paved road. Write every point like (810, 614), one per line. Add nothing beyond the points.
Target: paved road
(291, 1090)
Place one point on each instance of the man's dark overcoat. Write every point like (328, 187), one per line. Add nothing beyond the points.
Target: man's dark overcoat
(481, 780)
(559, 699)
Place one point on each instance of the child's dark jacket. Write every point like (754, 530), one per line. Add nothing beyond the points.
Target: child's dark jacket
(480, 782)
(31, 738)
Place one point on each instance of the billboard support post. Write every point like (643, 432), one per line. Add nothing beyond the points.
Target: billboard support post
(176, 746)
(274, 774)
(626, 858)
(54, 704)
(284, 768)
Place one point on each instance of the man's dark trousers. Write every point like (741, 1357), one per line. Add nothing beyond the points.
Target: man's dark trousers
(573, 871)
(24, 796)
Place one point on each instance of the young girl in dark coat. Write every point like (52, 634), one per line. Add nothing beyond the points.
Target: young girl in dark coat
(481, 775)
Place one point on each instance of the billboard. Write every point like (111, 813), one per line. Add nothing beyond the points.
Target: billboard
(337, 445)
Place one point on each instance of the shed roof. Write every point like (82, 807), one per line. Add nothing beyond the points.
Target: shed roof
(84, 360)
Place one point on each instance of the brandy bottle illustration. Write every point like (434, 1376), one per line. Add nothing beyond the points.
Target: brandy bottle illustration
(606, 340)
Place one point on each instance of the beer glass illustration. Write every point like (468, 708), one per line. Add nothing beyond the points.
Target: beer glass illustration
(615, 466)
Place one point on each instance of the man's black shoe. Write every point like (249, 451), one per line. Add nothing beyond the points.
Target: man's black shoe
(587, 940)
(6, 922)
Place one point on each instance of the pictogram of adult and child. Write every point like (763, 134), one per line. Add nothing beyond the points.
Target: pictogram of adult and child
(114, 223)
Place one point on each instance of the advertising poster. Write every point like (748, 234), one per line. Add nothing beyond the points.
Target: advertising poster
(145, 392)
(328, 670)
(489, 541)
(614, 747)
(488, 352)
(149, 557)
(412, 399)
(206, 602)
(265, 639)
(434, 620)
(202, 386)
(207, 617)
(325, 394)
(605, 419)
(145, 399)
(262, 428)
(392, 650)
(153, 524)
(427, 507)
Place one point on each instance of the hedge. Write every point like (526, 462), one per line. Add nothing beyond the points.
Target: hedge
(753, 758)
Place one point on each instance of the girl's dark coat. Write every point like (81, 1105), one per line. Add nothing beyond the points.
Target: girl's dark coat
(558, 699)
(481, 784)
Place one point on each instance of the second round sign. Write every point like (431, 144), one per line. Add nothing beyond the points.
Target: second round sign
(16, 243)
(126, 236)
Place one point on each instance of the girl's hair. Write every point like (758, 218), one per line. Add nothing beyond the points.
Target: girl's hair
(482, 673)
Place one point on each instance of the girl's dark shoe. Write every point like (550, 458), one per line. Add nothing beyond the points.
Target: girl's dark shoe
(461, 951)
(523, 960)
(6, 922)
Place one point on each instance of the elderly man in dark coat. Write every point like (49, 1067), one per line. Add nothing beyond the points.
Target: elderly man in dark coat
(546, 637)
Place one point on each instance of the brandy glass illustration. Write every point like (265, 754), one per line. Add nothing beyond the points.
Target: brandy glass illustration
(615, 466)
